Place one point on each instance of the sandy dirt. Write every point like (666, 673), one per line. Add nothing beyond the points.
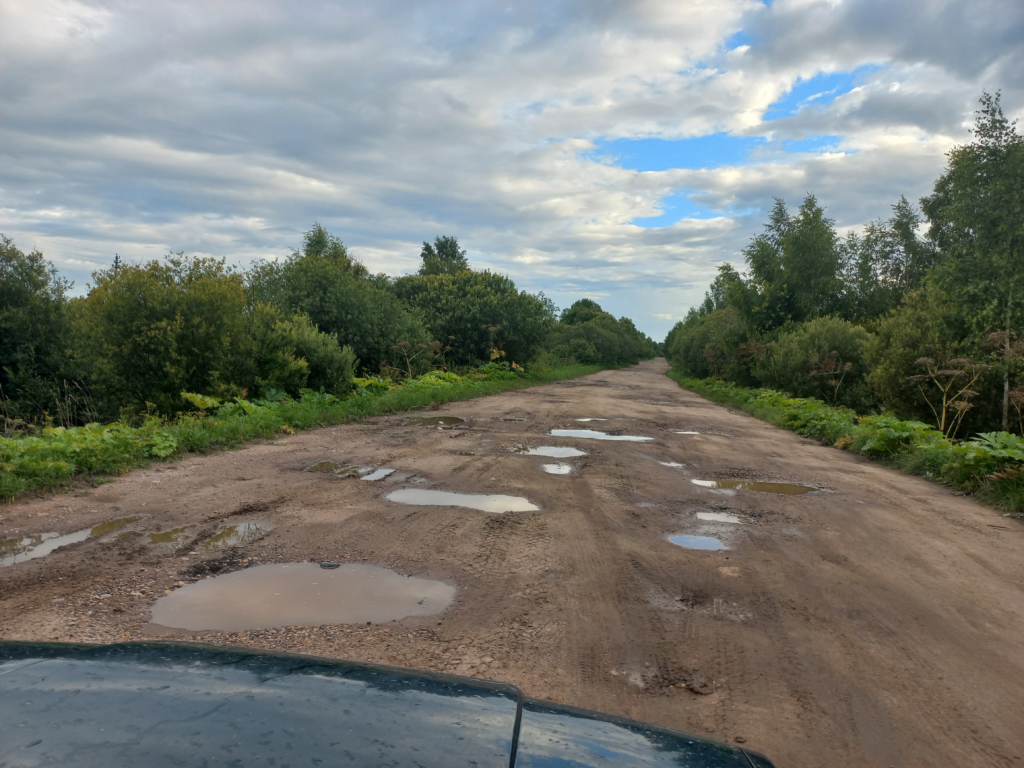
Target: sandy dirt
(878, 621)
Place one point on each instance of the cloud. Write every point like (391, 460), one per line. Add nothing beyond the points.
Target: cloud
(227, 129)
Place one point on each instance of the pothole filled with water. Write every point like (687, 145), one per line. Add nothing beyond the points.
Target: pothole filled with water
(790, 489)
(718, 517)
(493, 503)
(671, 464)
(237, 535)
(324, 466)
(592, 419)
(378, 474)
(173, 536)
(300, 594)
(30, 547)
(697, 542)
(687, 432)
(590, 434)
(433, 421)
(558, 469)
(554, 452)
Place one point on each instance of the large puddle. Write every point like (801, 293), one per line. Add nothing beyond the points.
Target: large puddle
(300, 594)
(433, 421)
(558, 469)
(554, 452)
(237, 535)
(697, 542)
(495, 504)
(37, 545)
(590, 434)
(746, 485)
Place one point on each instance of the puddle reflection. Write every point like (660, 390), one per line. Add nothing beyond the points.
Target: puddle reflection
(378, 474)
(718, 517)
(236, 535)
(30, 547)
(590, 434)
(173, 536)
(496, 504)
(554, 452)
(558, 469)
(697, 542)
(300, 594)
(671, 464)
(789, 489)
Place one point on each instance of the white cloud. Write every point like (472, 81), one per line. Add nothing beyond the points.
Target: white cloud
(227, 129)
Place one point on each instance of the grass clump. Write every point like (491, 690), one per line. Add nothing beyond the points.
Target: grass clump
(55, 456)
(991, 465)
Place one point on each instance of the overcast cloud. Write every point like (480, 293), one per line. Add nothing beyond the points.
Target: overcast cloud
(228, 128)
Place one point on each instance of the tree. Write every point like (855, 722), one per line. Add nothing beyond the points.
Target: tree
(35, 363)
(444, 257)
(581, 311)
(976, 216)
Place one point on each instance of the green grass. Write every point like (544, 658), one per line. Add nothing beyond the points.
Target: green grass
(990, 466)
(57, 457)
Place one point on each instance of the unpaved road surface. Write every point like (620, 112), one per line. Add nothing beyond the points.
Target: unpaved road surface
(878, 621)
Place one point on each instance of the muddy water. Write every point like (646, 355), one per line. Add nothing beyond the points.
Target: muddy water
(590, 434)
(554, 452)
(300, 594)
(37, 545)
(238, 534)
(697, 542)
(324, 466)
(718, 517)
(558, 469)
(378, 474)
(747, 485)
(433, 421)
(173, 536)
(495, 504)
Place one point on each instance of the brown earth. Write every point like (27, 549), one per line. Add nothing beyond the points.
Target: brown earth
(876, 621)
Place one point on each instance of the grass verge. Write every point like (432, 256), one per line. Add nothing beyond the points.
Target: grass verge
(989, 466)
(59, 456)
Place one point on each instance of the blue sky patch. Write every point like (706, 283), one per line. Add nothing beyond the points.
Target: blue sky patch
(819, 91)
(675, 207)
(710, 151)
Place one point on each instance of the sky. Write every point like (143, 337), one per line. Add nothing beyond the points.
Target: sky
(618, 151)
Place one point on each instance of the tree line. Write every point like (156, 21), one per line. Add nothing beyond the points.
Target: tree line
(144, 333)
(920, 314)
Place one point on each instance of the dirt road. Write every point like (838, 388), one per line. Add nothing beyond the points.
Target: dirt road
(878, 620)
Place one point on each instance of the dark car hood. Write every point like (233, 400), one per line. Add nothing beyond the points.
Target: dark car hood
(162, 704)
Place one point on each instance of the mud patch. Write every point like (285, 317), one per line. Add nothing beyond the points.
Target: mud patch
(300, 594)
(493, 503)
(790, 489)
(434, 421)
(590, 434)
(697, 542)
(513, 418)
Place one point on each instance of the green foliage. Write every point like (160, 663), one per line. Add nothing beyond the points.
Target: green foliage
(991, 465)
(58, 455)
(822, 358)
(36, 368)
(332, 290)
(459, 309)
(592, 336)
(444, 257)
(708, 345)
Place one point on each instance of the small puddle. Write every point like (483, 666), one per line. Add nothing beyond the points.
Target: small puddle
(558, 469)
(235, 535)
(433, 421)
(671, 464)
(324, 466)
(378, 474)
(591, 419)
(590, 434)
(300, 594)
(495, 504)
(688, 432)
(37, 545)
(173, 536)
(789, 489)
(718, 517)
(466, 453)
(554, 452)
(697, 542)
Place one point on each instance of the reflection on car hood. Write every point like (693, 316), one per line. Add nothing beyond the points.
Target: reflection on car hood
(164, 704)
